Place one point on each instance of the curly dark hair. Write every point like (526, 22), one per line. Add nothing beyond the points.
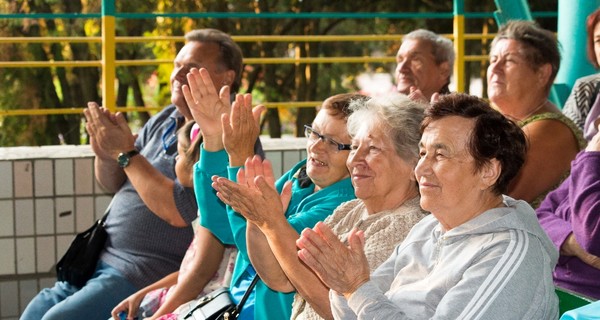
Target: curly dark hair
(493, 137)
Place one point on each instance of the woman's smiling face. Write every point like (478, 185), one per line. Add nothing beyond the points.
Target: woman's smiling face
(446, 172)
(325, 166)
(379, 175)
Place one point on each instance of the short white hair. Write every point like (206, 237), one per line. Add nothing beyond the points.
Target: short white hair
(397, 115)
(441, 47)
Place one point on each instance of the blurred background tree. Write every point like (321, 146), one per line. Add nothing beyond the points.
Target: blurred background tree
(36, 88)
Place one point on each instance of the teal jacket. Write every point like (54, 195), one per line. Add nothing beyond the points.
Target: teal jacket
(304, 211)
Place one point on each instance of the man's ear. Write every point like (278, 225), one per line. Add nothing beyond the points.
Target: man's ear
(490, 173)
(445, 71)
(229, 77)
(544, 73)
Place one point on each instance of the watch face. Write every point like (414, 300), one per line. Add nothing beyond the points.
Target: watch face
(124, 157)
(123, 160)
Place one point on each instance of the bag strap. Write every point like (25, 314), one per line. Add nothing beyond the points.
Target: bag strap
(103, 219)
(238, 308)
(240, 305)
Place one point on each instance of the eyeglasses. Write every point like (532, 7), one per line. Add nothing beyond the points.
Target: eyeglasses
(331, 144)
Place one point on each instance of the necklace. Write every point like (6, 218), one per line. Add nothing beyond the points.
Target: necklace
(540, 106)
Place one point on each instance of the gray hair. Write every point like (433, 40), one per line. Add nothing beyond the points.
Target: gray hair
(540, 45)
(441, 47)
(231, 54)
(398, 116)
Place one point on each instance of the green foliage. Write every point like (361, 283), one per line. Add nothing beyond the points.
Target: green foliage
(149, 85)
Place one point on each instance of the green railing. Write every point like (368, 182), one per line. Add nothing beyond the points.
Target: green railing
(108, 41)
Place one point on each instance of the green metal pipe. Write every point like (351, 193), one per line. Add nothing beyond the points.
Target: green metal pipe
(572, 38)
(512, 10)
(266, 15)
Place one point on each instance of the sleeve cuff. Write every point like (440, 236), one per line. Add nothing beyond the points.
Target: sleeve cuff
(232, 173)
(363, 293)
(213, 162)
(185, 202)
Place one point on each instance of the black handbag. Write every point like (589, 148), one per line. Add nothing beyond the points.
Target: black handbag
(79, 262)
(218, 305)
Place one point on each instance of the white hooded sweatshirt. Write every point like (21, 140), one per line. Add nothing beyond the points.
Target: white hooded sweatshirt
(497, 265)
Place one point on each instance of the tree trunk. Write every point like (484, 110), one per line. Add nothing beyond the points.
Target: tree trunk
(138, 99)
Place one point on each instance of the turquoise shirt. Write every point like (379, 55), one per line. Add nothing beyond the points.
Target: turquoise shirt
(306, 208)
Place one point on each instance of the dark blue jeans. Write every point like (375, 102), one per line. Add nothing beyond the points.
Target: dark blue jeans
(94, 301)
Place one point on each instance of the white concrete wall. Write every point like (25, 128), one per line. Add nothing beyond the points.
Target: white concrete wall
(47, 195)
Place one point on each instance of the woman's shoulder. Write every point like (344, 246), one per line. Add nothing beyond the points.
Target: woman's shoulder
(410, 210)
(590, 80)
(552, 124)
(548, 121)
(546, 116)
(346, 209)
(399, 220)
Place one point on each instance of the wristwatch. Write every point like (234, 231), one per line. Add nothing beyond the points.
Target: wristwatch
(124, 158)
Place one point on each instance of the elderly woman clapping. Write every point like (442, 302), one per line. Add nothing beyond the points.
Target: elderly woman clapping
(478, 255)
(384, 152)
(317, 184)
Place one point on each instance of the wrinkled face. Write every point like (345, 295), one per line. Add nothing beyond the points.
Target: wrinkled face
(510, 76)
(597, 42)
(196, 55)
(446, 170)
(378, 173)
(325, 166)
(417, 67)
(183, 165)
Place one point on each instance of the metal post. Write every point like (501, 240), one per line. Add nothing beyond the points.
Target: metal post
(512, 10)
(459, 44)
(108, 55)
(572, 37)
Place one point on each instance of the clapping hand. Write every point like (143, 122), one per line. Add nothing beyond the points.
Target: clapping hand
(206, 105)
(417, 95)
(254, 196)
(241, 129)
(109, 133)
(342, 268)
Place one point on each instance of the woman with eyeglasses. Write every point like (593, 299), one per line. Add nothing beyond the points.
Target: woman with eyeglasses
(317, 185)
(383, 154)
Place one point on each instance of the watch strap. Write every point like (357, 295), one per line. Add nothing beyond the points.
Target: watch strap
(132, 153)
(124, 158)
